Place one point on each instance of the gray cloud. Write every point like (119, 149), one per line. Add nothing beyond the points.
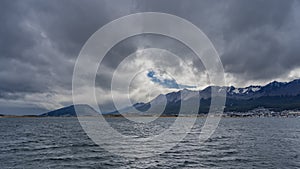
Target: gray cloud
(128, 46)
(258, 36)
(258, 41)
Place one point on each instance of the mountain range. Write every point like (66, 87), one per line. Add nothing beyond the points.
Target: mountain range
(275, 96)
(85, 110)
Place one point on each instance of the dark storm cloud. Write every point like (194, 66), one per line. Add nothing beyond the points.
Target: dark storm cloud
(259, 37)
(244, 16)
(40, 40)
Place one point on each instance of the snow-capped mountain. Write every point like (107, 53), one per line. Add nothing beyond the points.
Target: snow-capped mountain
(251, 89)
(277, 95)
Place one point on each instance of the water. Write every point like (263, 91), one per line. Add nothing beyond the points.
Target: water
(237, 143)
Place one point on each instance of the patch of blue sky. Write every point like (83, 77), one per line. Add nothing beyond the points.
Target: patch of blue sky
(166, 82)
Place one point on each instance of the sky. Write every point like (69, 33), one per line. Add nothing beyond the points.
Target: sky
(258, 42)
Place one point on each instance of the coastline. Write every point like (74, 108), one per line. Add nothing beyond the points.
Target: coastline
(162, 116)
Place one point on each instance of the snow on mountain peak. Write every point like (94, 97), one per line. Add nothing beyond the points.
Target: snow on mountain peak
(255, 89)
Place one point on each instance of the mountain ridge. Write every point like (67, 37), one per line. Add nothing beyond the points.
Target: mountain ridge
(69, 111)
(276, 96)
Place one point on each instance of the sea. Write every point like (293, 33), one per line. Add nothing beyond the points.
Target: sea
(236, 143)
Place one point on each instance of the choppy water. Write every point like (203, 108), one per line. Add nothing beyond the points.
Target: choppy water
(237, 143)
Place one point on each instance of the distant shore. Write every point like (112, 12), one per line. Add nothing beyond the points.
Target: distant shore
(162, 116)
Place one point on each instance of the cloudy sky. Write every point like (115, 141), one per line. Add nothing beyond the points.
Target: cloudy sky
(258, 42)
